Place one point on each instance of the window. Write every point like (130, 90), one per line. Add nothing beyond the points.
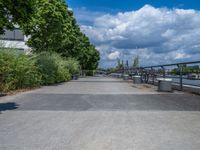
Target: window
(16, 35)
(8, 35)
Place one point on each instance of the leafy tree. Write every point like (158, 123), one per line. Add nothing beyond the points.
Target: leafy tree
(53, 28)
(186, 70)
(15, 12)
(136, 63)
(49, 25)
(93, 58)
(119, 64)
(80, 48)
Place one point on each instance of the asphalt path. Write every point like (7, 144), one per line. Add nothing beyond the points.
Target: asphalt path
(99, 113)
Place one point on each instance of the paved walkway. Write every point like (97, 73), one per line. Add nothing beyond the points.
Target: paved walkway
(100, 114)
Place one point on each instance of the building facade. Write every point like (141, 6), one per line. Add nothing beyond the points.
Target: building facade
(14, 39)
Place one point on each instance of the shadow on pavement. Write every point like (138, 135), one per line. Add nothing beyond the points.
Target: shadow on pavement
(84, 102)
(98, 81)
(8, 106)
(2, 94)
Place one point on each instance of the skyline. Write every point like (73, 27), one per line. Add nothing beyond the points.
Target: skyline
(158, 32)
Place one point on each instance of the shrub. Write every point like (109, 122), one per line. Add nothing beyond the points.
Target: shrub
(17, 70)
(73, 66)
(52, 67)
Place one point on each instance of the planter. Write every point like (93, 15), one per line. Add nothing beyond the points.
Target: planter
(164, 85)
(137, 79)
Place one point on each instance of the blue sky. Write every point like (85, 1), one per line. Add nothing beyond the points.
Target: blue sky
(129, 5)
(159, 31)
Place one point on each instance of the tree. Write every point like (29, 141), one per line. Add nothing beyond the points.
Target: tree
(49, 25)
(93, 58)
(79, 47)
(14, 12)
(136, 63)
(53, 28)
(86, 53)
(119, 64)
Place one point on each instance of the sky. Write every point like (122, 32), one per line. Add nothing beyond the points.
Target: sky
(158, 31)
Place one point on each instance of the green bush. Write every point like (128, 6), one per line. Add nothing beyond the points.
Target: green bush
(52, 67)
(73, 66)
(17, 71)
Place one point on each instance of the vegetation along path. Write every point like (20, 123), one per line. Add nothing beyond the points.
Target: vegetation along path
(99, 113)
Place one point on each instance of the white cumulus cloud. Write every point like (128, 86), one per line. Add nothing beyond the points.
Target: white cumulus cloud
(181, 55)
(157, 35)
(114, 55)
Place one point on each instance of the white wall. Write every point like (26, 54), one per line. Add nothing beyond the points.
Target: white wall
(9, 40)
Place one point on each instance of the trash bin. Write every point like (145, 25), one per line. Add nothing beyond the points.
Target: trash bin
(164, 84)
(137, 79)
(125, 77)
(75, 77)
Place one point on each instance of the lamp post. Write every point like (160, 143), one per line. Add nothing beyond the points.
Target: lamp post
(125, 65)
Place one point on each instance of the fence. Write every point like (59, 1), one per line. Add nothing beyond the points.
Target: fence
(186, 73)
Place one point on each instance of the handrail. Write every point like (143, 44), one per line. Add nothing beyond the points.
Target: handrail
(150, 71)
(174, 64)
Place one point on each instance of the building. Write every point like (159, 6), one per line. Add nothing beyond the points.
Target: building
(193, 76)
(15, 39)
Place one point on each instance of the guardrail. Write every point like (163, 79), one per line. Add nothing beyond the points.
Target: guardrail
(177, 71)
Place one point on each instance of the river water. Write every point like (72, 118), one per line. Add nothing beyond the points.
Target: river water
(186, 81)
(189, 82)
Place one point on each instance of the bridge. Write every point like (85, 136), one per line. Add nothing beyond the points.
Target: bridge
(99, 113)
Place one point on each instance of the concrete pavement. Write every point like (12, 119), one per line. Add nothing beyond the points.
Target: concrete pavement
(99, 114)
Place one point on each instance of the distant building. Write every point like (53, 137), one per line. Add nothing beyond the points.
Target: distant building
(193, 76)
(15, 39)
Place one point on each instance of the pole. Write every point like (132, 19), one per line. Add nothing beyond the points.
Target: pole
(153, 75)
(163, 71)
(181, 76)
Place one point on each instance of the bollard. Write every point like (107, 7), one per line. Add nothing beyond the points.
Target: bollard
(137, 79)
(164, 85)
(125, 77)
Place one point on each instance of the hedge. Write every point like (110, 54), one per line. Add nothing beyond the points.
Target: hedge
(52, 67)
(18, 71)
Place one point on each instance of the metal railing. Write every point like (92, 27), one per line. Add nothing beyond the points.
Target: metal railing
(176, 71)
